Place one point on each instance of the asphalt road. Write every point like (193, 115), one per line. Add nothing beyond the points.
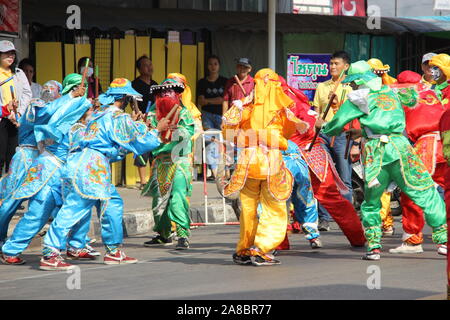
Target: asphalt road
(206, 271)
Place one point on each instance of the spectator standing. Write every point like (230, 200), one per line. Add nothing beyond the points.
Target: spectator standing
(13, 80)
(427, 77)
(142, 85)
(90, 77)
(339, 62)
(232, 88)
(210, 95)
(27, 66)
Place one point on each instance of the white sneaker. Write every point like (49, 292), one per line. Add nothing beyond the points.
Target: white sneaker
(92, 251)
(407, 248)
(388, 232)
(442, 249)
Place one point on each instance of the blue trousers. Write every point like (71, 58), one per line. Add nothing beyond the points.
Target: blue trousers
(43, 205)
(305, 206)
(77, 209)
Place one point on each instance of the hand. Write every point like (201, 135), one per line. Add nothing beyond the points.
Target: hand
(301, 127)
(354, 153)
(79, 92)
(163, 125)
(238, 104)
(12, 118)
(354, 133)
(319, 123)
(136, 115)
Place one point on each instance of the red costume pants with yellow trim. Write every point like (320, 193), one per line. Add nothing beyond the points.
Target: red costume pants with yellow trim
(340, 209)
(413, 218)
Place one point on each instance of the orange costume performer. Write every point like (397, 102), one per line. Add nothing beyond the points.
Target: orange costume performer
(261, 129)
(422, 114)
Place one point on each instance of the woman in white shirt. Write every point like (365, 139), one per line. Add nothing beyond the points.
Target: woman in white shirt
(26, 65)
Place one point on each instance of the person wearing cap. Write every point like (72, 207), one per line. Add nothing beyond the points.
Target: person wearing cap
(388, 156)
(422, 114)
(440, 69)
(261, 127)
(14, 84)
(110, 135)
(41, 185)
(170, 184)
(427, 77)
(233, 90)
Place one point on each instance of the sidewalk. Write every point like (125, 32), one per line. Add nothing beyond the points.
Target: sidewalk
(138, 217)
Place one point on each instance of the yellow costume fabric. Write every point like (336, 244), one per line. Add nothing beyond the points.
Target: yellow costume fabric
(382, 70)
(261, 128)
(386, 215)
(442, 61)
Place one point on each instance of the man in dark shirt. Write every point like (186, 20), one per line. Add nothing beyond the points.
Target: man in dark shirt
(142, 85)
(210, 95)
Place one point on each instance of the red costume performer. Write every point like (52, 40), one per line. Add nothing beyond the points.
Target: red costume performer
(422, 114)
(444, 128)
(324, 178)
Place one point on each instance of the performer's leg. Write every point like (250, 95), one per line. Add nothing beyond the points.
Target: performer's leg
(249, 197)
(40, 207)
(73, 211)
(429, 201)
(7, 210)
(305, 205)
(447, 203)
(341, 209)
(178, 206)
(111, 219)
(370, 211)
(272, 224)
(78, 235)
(413, 221)
(343, 165)
(386, 214)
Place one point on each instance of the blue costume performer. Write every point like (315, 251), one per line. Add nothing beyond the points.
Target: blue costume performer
(109, 136)
(38, 112)
(305, 206)
(42, 184)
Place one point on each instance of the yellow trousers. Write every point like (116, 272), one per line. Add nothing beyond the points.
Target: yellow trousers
(386, 214)
(267, 232)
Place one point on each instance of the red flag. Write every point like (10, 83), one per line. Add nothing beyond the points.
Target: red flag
(353, 8)
(9, 16)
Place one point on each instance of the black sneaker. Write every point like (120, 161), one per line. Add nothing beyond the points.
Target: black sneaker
(324, 225)
(260, 261)
(241, 259)
(183, 244)
(158, 240)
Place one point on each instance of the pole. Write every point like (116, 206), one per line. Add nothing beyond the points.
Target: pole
(272, 11)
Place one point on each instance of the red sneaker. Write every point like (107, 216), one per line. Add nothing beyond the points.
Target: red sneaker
(82, 254)
(118, 258)
(54, 263)
(296, 227)
(14, 260)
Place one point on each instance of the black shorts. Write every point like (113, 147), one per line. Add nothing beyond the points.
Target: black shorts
(146, 156)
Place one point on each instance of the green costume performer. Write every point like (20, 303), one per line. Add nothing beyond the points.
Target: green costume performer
(170, 183)
(388, 155)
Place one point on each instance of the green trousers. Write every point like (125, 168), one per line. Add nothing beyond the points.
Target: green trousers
(428, 200)
(170, 188)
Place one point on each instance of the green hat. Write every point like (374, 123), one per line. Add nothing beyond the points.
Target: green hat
(70, 81)
(167, 84)
(361, 73)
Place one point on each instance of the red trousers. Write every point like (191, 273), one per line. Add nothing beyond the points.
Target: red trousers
(413, 219)
(340, 209)
(447, 205)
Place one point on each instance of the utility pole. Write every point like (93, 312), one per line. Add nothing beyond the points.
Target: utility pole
(271, 13)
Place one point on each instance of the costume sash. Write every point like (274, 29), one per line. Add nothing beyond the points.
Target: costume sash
(38, 175)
